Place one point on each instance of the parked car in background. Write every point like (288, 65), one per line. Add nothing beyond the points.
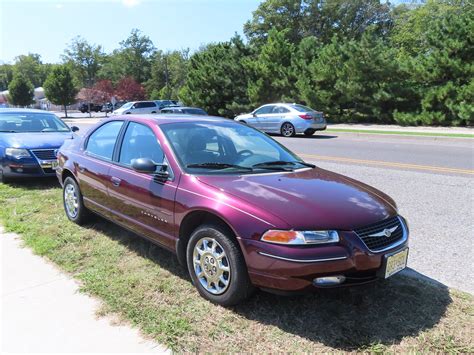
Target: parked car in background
(184, 110)
(166, 103)
(285, 119)
(107, 107)
(137, 107)
(84, 107)
(239, 209)
(29, 140)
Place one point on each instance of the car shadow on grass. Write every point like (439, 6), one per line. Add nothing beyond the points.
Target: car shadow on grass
(42, 183)
(346, 319)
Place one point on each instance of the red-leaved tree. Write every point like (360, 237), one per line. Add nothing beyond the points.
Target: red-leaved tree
(106, 87)
(130, 90)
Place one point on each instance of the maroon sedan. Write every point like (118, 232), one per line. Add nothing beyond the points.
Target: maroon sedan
(239, 210)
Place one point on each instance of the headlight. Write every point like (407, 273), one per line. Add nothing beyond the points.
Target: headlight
(17, 153)
(300, 237)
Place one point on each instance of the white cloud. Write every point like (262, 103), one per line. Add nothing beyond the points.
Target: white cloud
(130, 3)
(59, 6)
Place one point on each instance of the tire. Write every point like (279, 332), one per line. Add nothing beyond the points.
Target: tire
(309, 132)
(3, 179)
(73, 203)
(213, 241)
(287, 130)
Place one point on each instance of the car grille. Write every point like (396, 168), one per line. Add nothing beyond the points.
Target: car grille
(378, 243)
(44, 154)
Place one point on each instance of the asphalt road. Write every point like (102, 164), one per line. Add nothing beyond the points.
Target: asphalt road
(432, 181)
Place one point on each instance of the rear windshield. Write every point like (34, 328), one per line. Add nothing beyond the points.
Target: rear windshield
(31, 122)
(195, 111)
(302, 108)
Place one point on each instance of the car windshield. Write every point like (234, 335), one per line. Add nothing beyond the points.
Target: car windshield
(227, 148)
(31, 122)
(302, 108)
(127, 105)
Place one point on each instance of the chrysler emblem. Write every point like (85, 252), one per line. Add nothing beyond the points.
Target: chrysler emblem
(387, 232)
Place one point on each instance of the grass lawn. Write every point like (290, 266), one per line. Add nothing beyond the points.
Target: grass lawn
(144, 285)
(403, 133)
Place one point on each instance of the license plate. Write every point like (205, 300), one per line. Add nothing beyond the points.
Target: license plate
(395, 263)
(54, 165)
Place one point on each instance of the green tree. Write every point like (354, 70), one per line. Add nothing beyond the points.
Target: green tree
(168, 74)
(31, 67)
(443, 71)
(135, 55)
(85, 60)
(272, 75)
(320, 18)
(217, 78)
(6, 76)
(20, 91)
(59, 87)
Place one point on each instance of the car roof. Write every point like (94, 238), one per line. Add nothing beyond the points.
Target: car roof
(171, 118)
(181, 108)
(23, 110)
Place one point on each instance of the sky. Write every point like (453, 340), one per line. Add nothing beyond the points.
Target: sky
(47, 26)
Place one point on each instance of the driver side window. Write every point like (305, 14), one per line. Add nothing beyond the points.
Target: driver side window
(139, 141)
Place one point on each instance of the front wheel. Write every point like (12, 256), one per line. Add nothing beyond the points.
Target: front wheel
(217, 266)
(73, 203)
(287, 130)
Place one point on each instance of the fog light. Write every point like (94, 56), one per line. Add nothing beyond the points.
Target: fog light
(19, 170)
(329, 280)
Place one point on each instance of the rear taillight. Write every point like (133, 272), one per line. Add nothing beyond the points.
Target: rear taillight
(306, 116)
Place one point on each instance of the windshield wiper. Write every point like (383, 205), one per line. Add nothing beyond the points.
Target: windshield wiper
(218, 166)
(279, 164)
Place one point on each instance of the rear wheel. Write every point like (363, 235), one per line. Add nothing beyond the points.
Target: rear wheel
(217, 266)
(309, 132)
(287, 130)
(73, 203)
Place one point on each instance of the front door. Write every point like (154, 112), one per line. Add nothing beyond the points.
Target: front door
(93, 166)
(262, 117)
(139, 201)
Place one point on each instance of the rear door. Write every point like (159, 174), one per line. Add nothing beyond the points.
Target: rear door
(139, 201)
(93, 166)
(275, 119)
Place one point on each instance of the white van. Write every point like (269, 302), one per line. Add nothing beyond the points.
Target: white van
(137, 107)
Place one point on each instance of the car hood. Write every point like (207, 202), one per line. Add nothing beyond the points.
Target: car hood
(309, 198)
(34, 140)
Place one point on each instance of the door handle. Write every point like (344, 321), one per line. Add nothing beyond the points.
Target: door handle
(115, 181)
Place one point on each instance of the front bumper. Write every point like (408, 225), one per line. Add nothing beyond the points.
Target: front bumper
(13, 169)
(287, 269)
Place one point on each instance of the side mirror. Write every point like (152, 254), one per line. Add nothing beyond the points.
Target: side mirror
(148, 166)
(254, 114)
(144, 165)
(74, 128)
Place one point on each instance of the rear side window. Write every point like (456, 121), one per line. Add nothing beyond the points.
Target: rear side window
(148, 104)
(140, 142)
(280, 109)
(102, 141)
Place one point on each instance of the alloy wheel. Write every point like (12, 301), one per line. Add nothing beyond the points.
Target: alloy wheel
(211, 265)
(71, 200)
(287, 130)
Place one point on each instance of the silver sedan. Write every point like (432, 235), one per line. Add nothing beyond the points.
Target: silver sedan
(285, 119)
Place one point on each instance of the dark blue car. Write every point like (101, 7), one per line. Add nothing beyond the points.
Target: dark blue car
(29, 140)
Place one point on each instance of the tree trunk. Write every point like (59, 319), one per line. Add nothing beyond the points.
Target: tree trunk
(65, 110)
